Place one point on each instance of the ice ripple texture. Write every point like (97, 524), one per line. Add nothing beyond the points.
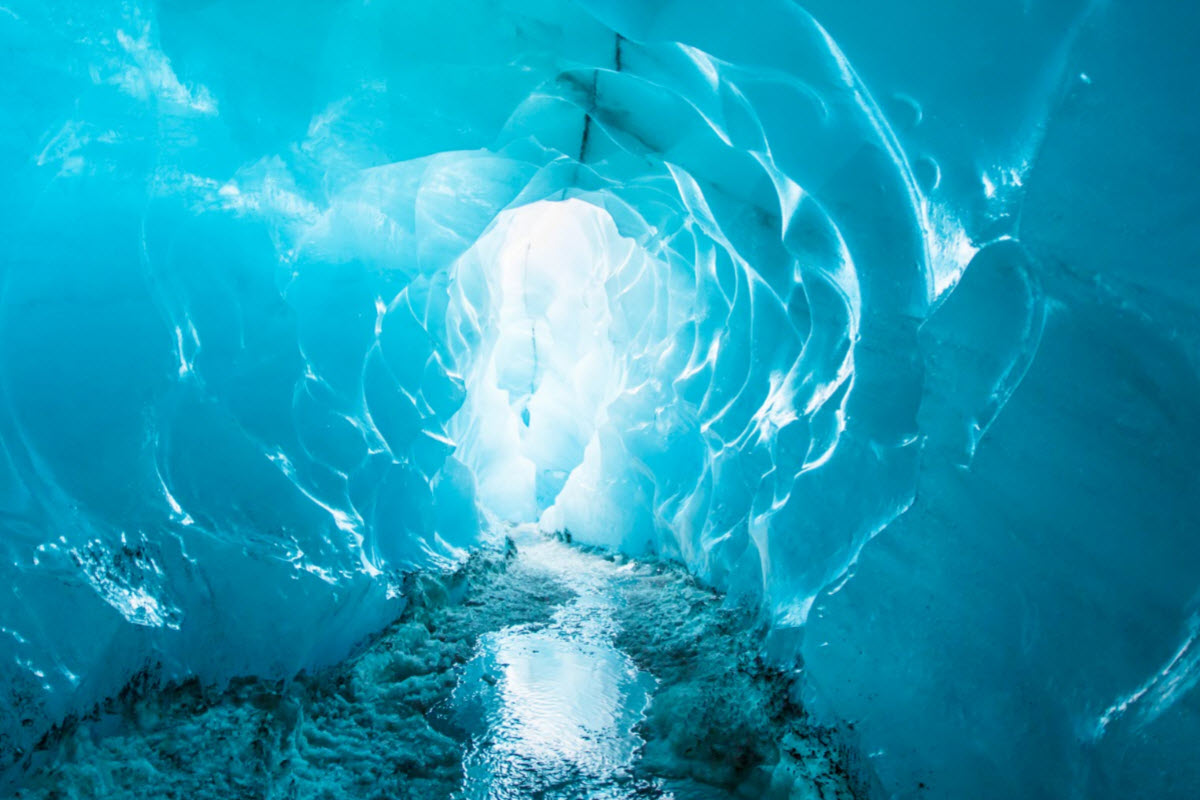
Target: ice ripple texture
(891, 327)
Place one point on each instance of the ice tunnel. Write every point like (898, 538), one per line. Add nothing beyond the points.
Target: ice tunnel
(880, 319)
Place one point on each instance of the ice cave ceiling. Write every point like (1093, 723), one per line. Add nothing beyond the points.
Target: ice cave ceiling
(882, 316)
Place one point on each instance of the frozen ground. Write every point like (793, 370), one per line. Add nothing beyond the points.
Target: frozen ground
(544, 671)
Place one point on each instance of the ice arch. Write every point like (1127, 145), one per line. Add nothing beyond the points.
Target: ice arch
(903, 380)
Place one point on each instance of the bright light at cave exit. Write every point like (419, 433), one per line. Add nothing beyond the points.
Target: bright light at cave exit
(546, 368)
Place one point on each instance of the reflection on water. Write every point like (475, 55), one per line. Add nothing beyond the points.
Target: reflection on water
(552, 710)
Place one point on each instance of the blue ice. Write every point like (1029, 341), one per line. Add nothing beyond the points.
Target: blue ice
(880, 318)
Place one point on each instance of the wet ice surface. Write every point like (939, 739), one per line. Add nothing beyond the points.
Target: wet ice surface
(555, 707)
(542, 671)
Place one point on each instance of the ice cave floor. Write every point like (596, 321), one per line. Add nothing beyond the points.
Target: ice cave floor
(537, 671)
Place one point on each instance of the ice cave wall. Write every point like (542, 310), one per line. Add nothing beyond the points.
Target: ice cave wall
(899, 339)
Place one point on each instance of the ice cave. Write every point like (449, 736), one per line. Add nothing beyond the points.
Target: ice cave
(599, 399)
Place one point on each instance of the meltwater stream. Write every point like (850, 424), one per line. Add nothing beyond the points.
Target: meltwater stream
(555, 707)
(535, 670)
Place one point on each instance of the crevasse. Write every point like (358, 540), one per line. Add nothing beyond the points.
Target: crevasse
(881, 317)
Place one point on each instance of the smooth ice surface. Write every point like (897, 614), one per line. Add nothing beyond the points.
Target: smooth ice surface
(882, 317)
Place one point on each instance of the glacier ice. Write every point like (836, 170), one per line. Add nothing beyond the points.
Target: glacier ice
(881, 317)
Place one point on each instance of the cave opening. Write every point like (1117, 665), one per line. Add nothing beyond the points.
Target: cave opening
(554, 313)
